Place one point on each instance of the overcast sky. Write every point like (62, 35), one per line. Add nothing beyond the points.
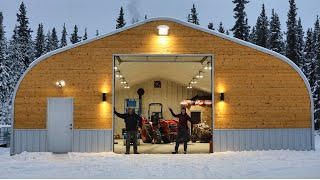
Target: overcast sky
(101, 14)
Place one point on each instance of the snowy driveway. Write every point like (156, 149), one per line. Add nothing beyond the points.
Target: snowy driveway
(263, 164)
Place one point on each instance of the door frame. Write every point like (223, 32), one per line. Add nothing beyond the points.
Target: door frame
(47, 140)
(211, 56)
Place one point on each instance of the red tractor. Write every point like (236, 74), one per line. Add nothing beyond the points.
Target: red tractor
(155, 129)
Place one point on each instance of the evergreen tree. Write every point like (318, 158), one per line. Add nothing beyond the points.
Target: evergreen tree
(316, 32)
(120, 21)
(24, 35)
(316, 89)
(193, 16)
(15, 58)
(74, 36)
(145, 17)
(241, 29)
(54, 39)
(227, 32)
(308, 67)
(97, 32)
(253, 36)
(48, 46)
(4, 69)
(262, 31)
(221, 28)
(300, 45)
(39, 42)
(134, 20)
(276, 39)
(292, 40)
(63, 41)
(85, 37)
(210, 26)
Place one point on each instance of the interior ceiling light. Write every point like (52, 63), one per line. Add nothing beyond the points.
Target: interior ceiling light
(115, 68)
(199, 75)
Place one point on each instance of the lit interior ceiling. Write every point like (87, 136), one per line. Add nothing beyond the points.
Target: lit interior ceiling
(137, 69)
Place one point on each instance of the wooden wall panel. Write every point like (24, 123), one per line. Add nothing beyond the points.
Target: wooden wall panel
(170, 95)
(261, 91)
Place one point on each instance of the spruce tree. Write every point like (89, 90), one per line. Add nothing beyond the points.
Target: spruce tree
(120, 21)
(193, 16)
(300, 45)
(15, 57)
(276, 36)
(97, 32)
(316, 90)
(316, 31)
(241, 29)
(253, 36)
(74, 36)
(292, 40)
(262, 31)
(48, 46)
(227, 32)
(210, 26)
(308, 68)
(85, 37)
(54, 39)
(24, 35)
(63, 41)
(4, 69)
(39, 42)
(145, 17)
(221, 28)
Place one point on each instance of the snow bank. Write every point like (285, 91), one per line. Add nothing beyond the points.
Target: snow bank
(257, 164)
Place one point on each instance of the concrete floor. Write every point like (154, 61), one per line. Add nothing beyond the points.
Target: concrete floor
(148, 148)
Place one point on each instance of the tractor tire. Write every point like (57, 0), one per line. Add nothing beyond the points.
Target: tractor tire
(146, 133)
(157, 137)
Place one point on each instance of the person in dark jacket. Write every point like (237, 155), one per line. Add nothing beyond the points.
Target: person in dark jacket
(182, 129)
(133, 123)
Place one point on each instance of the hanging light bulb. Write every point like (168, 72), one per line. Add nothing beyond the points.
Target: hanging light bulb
(115, 68)
(209, 64)
(199, 75)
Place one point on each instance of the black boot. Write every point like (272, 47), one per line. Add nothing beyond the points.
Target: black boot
(175, 152)
(127, 153)
(136, 152)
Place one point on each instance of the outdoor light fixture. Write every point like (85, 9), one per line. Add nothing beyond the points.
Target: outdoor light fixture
(61, 83)
(221, 96)
(104, 96)
(163, 30)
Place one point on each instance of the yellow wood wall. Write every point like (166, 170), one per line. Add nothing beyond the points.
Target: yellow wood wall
(170, 95)
(261, 91)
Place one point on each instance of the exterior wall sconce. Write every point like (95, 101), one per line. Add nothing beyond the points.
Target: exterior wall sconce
(104, 96)
(163, 30)
(221, 96)
(61, 83)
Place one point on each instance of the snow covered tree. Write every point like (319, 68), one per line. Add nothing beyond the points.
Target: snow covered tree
(210, 26)
(308, 56)
(193, 16)
(24, 35)
(221, 28)
(276, 36)
(74, 36)
(300, 45)
(241, 29)
(63, 41)
(316, 32)
(227, 32)
(262, 31)
(85, 37)
(48, 46)
(120, 21)
(253, 36)
(292, 40)
(15, 57)
(39, 42)
(4, 69)
(54, 39)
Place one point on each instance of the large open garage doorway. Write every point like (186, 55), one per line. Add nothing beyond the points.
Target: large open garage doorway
(150, 85)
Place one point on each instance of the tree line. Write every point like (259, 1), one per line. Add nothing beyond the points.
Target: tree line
(302, 48)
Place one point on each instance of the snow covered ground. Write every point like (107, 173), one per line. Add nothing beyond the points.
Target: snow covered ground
(259, 164)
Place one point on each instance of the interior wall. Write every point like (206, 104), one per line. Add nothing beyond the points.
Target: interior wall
(170, 95)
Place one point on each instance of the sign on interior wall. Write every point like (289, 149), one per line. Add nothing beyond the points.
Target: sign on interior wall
(157, 84)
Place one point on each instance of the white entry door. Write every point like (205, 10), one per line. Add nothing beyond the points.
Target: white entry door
(59, 124)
